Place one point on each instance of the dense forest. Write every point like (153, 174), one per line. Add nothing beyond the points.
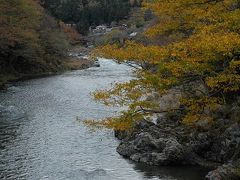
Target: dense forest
(85, 13)
(31, 41)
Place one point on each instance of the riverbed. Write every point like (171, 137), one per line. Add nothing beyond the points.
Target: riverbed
(42, 135)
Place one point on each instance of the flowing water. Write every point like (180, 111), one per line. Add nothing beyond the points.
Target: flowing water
(42, 138)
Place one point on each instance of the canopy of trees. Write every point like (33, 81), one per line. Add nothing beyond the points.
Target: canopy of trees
(30, 40)
(88, 12)
(203, 48)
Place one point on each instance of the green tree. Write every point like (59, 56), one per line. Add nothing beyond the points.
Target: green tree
(85, 13)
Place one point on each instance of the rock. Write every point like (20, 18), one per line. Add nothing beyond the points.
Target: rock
(224, 172)
(147, 149)
(126, 149)
(173, 151)
(226, 144)
(120, 134)
(167, 142)
(96, 63)
(235, 114)
(199, 143)
(144, 142)
(143, 125)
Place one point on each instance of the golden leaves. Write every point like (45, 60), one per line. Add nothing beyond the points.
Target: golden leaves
(208, 51)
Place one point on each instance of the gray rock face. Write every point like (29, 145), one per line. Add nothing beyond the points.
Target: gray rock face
(169, 143)
(224, 146)
(155, 151)
(224, 172)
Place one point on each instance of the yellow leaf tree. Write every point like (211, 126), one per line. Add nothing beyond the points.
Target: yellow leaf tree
(203, 48)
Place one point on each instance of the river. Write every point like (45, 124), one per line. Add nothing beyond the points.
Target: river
(42, 138)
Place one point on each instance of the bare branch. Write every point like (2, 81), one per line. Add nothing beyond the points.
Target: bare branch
(160, 111)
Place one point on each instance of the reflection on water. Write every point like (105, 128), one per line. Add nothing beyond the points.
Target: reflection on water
(171, 172)
(40, 137)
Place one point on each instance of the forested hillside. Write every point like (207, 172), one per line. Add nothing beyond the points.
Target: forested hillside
(84, 13)
(34, 37)
(31, 42)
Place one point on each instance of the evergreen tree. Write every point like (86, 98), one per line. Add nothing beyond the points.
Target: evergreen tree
(85, 13)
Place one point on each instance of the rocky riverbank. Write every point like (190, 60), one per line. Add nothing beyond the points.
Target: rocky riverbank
(79, 58)
(168, 142)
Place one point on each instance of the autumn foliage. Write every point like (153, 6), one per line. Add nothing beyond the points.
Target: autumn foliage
(19, 21)
(204, 49)
(31, 41)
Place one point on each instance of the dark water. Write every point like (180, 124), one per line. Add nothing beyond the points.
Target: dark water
(40, 137)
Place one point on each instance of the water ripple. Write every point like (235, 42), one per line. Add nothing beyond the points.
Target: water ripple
(40, 137)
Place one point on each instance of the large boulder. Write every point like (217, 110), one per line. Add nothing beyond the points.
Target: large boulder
(154, 151)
